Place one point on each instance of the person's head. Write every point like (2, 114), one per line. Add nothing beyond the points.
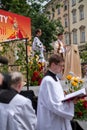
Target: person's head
(5, 81)
(38, 32)
(56, 63)
(16, 81)
(60, 36)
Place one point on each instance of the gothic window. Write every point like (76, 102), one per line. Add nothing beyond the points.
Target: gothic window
(66, 20)
(81, 12)
(65, 5)
(67, 38)
(73, 2)
(82, 34)
(74, 16)
(74, 36)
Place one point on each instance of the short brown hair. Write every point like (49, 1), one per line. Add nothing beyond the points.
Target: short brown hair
(38, 30)
(55, 58)
(61, 33)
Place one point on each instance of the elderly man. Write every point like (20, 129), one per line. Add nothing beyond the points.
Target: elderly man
(15, 109)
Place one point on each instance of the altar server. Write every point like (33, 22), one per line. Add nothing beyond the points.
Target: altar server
(52, 113)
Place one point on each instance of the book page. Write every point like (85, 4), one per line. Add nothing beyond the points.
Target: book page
(79, 93)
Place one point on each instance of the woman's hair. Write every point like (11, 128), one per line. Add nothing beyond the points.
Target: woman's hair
(55, 58)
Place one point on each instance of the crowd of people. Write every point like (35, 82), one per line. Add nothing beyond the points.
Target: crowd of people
(16, 110)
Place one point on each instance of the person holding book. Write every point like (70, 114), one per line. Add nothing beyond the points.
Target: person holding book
(52, 113)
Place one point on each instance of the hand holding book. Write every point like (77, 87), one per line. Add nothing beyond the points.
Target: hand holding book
(77, 94)
(75, 100)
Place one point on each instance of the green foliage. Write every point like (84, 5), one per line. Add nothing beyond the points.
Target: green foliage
(81, 110)
(15, 6)
(21, 53)
(27, 64)
(34, 10)
(83, 54)
(4, 68)
(33, 68)
(17, 62)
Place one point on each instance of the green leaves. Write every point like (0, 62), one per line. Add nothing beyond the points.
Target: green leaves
(35, 10)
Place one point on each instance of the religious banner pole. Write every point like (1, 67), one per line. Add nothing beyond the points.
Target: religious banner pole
(27, 70)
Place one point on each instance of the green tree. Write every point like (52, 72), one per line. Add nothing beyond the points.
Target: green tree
(15, 6)
(35, 10)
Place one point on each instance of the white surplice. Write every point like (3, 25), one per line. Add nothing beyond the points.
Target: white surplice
(52, 114)
(38, 46)
(59, 45)
(17, 115)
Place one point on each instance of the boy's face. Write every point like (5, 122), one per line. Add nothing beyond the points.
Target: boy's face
(60, 37)
(40, 33)
(58, 68)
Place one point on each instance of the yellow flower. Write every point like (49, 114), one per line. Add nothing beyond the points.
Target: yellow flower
(81, 81)
(75, 84)
(69, 77)
(76, 79)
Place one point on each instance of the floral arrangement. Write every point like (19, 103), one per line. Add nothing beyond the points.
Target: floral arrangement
(36, 70)
(81, 109)
(74, 83)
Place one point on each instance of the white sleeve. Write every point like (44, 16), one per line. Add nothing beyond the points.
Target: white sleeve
(26, 116)
(56, 46)
(37, 44)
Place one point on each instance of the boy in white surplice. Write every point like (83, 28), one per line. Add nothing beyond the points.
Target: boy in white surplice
(38, 46)
(52, 114)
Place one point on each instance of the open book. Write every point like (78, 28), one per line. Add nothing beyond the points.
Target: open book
(80, 93)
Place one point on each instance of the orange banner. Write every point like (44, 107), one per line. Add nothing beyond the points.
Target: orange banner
(14, 26)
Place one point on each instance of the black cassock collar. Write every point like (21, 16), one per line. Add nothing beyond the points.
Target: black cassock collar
(50, 73)
(6, 95)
